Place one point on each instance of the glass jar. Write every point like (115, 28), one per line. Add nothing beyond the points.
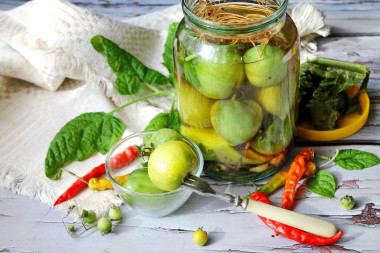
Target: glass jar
(237, 69)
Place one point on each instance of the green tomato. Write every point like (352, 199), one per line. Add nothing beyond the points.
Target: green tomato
(279, 99)
(200, 237)
(236, 121)
(88, 216)
(139, 181)
(347, 202)
(163, 135)
(193, 107)
(214, 147)
(115, 213)
(169, 164)
(275, 137)
(104, 225)
(265, 68)
(219, 72)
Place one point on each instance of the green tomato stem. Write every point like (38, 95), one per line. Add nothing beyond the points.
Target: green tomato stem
(71, 233)
(156, 94)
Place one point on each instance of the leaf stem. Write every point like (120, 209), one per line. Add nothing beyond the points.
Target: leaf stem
(323, 157)
(173, 103)
(331, 159)
(156, 94)
(190, 57)
(75, 175)
(153, 88)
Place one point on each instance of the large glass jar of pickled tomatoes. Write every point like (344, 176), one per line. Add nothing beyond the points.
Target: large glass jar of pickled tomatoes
(237, 69)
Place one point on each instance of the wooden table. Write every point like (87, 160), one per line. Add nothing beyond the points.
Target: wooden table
(27, 225)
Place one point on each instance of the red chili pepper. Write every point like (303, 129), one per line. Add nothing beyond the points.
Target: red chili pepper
(120, 160)
(296, 171)
(294, 233)
(123, 158)
(279, 179)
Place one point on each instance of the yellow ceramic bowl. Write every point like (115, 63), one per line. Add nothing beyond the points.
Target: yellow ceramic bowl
(347, 124)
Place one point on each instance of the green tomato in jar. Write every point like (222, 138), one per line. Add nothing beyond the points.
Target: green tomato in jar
(275, 137)
(214, 147)
(264, 65)
(163, 135)
(139, 181)
(193, 107)
(236, 121)
(217, 72)
(279, 99)
(169, 164)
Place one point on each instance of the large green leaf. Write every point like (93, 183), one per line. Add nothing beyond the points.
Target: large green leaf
(80, 138)
(323, 184)
(352, 159)
(129, 70)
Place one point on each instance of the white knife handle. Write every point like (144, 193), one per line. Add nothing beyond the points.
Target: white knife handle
(293, 219)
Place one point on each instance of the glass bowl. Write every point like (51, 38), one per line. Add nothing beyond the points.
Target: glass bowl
(152, 205)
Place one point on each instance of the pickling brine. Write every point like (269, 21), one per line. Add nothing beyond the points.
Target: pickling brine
(237, 70)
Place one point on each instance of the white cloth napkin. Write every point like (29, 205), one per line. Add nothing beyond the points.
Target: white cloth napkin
(50, 74)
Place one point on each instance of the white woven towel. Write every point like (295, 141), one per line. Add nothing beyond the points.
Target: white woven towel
(46, 44)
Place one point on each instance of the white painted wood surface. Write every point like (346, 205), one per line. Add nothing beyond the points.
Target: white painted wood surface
(27, 225)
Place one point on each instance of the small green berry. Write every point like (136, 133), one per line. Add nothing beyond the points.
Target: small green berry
(88, 216)
(114, 213)
(104, 225)
(347, 202)
(71, 228)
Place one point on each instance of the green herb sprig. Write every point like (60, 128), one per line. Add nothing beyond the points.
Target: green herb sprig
(324, 184)
(99, 131)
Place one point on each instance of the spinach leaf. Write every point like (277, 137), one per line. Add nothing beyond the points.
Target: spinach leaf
(168, 52)
(352, 159)
(129, 70)
(323, 183)
(80, 138)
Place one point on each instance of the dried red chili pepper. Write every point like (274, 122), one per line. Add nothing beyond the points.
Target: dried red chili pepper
(120, 160)
(296, 171)
(294, 233)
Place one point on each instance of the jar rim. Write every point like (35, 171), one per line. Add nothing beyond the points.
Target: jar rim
(234, 28)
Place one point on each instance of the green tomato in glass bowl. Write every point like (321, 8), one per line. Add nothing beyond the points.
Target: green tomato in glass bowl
(139, 181)
(215, 72)
(169, 163)
(161, 136)
(236, 121)
(264, 65)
